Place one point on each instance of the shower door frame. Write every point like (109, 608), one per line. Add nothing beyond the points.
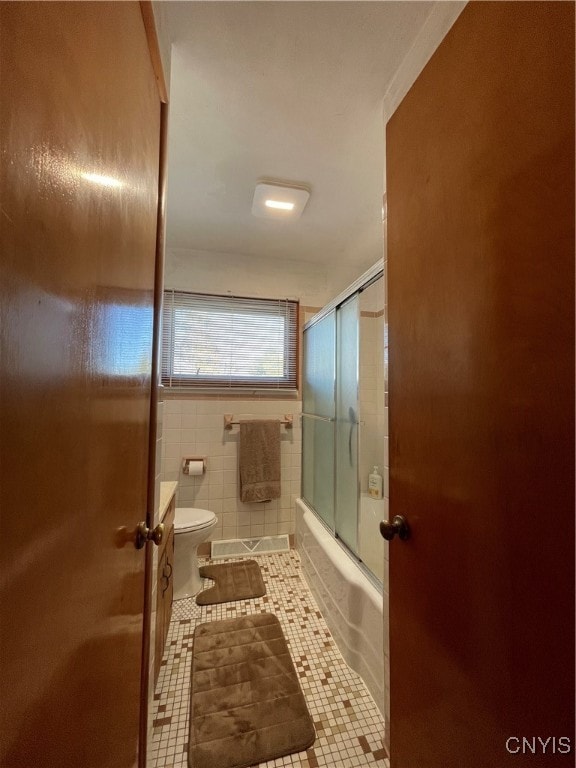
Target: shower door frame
(376, 272)
(340, 508)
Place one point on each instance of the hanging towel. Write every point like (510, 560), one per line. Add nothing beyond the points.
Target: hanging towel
(259, 460)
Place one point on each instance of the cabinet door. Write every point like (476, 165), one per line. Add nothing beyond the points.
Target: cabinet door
(160, 633)
(165, 590)
(168, 582)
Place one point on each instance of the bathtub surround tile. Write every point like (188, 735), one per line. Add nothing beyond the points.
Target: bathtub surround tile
(171, 463)
(188, 420)
(349, 727)
(203, 449)
(195, 427)
(188, 435)
(172, 420)
(215, 492)
(270, 529)
(172, 406)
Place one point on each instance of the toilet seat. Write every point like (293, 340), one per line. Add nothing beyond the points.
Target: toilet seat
(189, 519)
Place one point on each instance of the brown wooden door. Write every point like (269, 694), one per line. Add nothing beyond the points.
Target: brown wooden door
(480, 189)
(80, 117)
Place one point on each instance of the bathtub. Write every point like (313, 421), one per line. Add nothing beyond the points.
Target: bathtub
(349, 602)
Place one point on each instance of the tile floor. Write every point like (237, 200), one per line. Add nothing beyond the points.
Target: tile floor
(349, 726)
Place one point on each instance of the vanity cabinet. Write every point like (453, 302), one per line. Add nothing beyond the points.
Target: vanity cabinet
(164, 586)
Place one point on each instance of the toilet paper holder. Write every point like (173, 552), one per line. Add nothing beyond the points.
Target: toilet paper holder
(187, 461)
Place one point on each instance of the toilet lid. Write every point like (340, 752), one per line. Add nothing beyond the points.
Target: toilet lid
(191, 519)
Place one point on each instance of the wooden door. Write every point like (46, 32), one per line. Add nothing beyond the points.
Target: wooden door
(80, 121)
(480, 189)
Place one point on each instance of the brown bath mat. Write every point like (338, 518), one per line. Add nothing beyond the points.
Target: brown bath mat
(240, 580)
(247, 706)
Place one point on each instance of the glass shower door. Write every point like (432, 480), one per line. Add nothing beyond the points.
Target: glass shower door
(318, 418)
(372, 432)
(344, 420)
(347, 422)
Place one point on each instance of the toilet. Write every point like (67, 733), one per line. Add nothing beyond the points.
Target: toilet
(191, 527)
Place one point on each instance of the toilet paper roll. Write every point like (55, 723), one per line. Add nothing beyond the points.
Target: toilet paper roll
(196, 467)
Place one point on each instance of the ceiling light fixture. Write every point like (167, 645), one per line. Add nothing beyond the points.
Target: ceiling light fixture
(279, 205)
(279, 200)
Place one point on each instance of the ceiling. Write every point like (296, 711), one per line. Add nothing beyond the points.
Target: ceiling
(290, 91)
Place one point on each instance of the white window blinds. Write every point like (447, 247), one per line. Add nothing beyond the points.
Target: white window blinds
(229, 342)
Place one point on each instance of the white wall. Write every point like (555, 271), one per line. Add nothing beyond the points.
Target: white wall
(220, 273)
(164, 36)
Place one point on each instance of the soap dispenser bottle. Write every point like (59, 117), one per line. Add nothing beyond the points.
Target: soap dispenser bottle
(375, 484)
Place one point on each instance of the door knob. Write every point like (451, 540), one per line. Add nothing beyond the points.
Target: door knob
(397, 526)
(144, 534)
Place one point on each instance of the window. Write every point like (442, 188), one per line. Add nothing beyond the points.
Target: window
(227, 341)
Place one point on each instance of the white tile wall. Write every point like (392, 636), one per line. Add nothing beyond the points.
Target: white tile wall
(195, 427)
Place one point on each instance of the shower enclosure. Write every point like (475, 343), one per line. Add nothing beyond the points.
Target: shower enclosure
(343, 419)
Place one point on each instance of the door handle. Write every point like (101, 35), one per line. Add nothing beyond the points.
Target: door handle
(144, 534)
(397, 526)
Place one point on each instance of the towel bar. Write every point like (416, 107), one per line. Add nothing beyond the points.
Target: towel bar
(229, 422)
